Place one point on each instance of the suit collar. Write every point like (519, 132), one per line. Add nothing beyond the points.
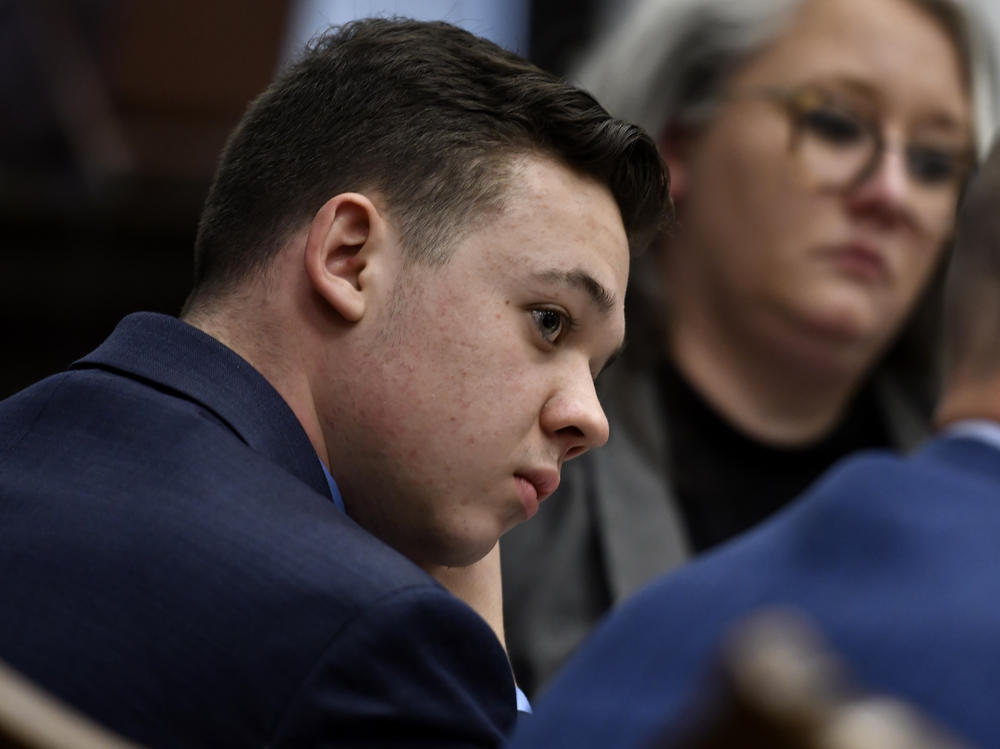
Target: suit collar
(967, 453)
(178, 358)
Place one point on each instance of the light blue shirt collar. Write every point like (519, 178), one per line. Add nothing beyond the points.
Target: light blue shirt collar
(334, 490)
(983, 430)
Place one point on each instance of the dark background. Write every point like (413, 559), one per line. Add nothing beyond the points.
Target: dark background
(114, 113)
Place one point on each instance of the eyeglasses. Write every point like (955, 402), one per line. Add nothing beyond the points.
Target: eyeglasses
(840, 148)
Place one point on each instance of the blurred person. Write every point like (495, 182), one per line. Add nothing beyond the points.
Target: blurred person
(214, 530)
(777, 684)
(817, 150)
(891, 558)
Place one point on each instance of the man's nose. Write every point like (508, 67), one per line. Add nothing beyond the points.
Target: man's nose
(575, 418)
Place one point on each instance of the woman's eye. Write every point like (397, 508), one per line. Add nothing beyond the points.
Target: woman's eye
(832, 126)
(932, 166)
(550, 323)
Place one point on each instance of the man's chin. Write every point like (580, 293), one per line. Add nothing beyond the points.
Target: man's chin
(465, 555)
(457, 550)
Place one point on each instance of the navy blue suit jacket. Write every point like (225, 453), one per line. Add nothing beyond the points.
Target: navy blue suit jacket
(897, 560)
(173, 565)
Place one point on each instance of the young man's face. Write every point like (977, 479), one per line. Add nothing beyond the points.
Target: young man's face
(479, 382)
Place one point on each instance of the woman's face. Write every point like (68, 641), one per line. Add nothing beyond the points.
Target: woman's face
(814, 205)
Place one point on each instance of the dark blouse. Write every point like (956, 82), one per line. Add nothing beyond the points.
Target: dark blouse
(727, 481)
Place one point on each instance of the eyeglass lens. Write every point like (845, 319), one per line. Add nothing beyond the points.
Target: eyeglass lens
(838, 148)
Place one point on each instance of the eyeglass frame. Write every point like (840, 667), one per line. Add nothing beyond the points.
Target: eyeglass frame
(789, 100)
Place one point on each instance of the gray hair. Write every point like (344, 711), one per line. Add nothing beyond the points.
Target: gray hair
(666, 63)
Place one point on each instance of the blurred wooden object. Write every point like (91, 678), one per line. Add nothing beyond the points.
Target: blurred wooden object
(32, 719)
(147, 90)
(779, 686)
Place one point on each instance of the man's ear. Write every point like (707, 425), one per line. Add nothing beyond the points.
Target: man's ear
(343, 236)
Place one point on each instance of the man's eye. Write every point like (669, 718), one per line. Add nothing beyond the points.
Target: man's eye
(551, 323)
(833, 126)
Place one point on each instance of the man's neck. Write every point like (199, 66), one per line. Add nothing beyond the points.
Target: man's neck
(969, 395)
(269, 355)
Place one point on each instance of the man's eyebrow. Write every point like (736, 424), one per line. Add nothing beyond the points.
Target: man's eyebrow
(580, 279)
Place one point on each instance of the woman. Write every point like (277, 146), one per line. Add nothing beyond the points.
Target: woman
(817, 151)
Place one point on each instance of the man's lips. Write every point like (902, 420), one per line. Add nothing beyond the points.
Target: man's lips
(545, 481)
(534, 486)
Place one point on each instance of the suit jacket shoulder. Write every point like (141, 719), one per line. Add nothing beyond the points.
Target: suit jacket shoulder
(179, 571)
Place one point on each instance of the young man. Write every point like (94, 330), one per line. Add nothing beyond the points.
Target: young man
(409, 270)
(893, 559)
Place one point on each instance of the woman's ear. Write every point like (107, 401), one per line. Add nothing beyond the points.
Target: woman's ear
(675, 145)
(344, 235)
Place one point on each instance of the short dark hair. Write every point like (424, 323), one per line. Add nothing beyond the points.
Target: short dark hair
(972, 292)
(428, 116)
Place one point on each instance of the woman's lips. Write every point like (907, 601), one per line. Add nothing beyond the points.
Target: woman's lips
(859, 261)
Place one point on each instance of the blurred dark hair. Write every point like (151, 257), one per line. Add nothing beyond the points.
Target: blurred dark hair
(430, 118)
(972, 290)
